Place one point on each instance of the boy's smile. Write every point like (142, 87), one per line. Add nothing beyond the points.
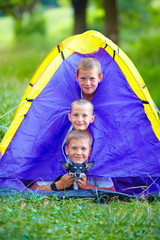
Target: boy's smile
(81, 116)
(78, 150)
(88, 81)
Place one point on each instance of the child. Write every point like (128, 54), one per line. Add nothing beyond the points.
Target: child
(81, 114)
(78, 148)
(89, 76)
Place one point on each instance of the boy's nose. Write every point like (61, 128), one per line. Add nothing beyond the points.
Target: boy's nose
(79, 151)
(88, 82)
(80, 118)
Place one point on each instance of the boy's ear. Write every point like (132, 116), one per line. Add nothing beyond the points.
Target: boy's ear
(69, 117)
(90, 151)
(100, 77)
(76, 77)
(92, 119)
(66, 150)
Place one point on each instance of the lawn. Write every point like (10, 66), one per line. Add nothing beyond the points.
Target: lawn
(48, 218)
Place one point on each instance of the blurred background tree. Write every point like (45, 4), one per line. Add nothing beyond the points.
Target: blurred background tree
(79, 15)
(110, 20)
(27, 18)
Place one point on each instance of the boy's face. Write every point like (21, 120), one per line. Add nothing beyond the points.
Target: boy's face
(78, 150)
(88, 81)
(81, 116)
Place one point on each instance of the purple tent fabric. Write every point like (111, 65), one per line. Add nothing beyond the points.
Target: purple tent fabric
(124, 142)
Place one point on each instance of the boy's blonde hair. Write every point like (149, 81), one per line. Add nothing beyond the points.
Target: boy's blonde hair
(89, 63)
(82, 101)
(79, 134)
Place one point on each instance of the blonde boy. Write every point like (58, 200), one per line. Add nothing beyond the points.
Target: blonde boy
(81, 114)
(88, 75)
(78, 148)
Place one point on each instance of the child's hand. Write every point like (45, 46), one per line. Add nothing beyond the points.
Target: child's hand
(64, 182)
(67, 179)
(83, 182)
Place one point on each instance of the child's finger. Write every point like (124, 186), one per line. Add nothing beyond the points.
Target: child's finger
(79, 183)
(84, 178)
(71, 178)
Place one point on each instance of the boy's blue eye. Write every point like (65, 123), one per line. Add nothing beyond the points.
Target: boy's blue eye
(84, 115)
(74, 148)
(83, 148)
(75, 115)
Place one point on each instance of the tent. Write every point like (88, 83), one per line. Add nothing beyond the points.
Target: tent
(126, 130)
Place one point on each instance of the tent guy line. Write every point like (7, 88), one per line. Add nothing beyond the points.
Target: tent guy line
(12, 109)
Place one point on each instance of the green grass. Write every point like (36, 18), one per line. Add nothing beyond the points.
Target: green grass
(47, 218)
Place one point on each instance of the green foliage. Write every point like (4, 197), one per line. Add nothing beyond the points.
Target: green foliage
(27, 16)
(95, 18)
(46, 218)
(147, 58)
(16, 8)
(30, 24)
(6, 36)
(64, 3)
(139, 39)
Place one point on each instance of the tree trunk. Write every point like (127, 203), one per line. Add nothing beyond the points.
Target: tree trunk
(111, 28)
(79, 15)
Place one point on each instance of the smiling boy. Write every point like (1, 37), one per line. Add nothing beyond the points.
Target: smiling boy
(88, 75)
(78, 148)
(78, 145)
(81, 114)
